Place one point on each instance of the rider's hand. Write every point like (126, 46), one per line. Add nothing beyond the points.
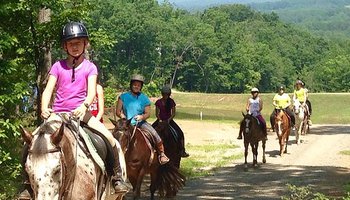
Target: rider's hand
(304, 104)
(45, 113)
(138, 117)
(80, 111)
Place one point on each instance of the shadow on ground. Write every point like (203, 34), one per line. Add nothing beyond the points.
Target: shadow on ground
(267, 181)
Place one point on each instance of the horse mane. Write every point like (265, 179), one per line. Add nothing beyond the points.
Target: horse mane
(40, 144)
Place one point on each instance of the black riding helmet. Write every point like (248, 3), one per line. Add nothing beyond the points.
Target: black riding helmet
(70, 31)
(73, 30)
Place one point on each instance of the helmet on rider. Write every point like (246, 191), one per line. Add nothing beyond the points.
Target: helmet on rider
(281, 88)
(137, 77)
(253, 90)
(73, 30)
(166, 90)
(299, 82)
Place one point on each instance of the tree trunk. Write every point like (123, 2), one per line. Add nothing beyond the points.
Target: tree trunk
(44, 62)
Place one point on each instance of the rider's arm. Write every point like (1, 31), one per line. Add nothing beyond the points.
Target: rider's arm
(147, 112)
(46, 97)
(260, 104)
(119, 108)
(294, 95)
(247, 106)
(101, 102)
(305, 96)
(157, 112)
(91, 93)
(173, 112)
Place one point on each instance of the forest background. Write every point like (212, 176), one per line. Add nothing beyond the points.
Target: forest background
(223, 49)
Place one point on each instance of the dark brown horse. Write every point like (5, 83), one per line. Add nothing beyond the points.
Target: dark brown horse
(171, 142)
(282, 128)
(253, 133)
(60, 168)
(141, 159)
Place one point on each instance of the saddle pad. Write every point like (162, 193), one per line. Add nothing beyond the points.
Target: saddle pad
(104, 148)
(92, 149)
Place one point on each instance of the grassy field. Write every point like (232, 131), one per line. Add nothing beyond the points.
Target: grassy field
(327, 108)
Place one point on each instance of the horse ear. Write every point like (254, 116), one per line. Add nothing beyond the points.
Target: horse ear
(27, 137)
(115, 123)
(243, 114)
(56, 137)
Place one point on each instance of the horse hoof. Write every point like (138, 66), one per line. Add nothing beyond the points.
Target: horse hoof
(264, 160)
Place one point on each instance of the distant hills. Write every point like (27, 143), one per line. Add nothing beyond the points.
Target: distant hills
(196, 5)
(330, 18)
(327, 18)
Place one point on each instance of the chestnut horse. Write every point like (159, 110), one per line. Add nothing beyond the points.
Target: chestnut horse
(301, 124)
(58, 165)
(282, 128)
(141, 159)
(253, 133)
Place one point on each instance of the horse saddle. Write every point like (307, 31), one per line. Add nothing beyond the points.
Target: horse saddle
(103, 148)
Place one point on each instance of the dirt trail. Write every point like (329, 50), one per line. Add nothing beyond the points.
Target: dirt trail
(315, 162)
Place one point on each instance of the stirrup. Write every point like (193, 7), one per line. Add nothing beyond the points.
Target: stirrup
(163, 156)
(120, 187)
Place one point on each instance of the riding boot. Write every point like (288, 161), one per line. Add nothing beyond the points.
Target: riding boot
(184, 154)
(163, 159)
(118, 183)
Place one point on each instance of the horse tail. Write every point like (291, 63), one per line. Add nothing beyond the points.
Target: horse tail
(169, 180)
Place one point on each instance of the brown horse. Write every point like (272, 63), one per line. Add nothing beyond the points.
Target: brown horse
(282, 128)
(59, 167)
(141, 159)
(253, 133)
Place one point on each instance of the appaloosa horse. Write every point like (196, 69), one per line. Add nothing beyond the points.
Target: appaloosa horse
(301, 124)
(141, 159)
(253, 133)
(59, 167)
(282, 128)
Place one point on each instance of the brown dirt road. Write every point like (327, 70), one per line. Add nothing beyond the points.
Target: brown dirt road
(315, 162)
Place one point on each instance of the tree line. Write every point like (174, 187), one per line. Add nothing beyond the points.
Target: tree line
(224, 49)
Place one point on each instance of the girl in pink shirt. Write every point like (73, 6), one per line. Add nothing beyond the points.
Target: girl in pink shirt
(75, 81)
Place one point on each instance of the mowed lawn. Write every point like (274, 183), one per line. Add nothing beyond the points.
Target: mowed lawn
(328, 108)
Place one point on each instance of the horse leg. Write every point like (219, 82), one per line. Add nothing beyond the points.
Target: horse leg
(281, 145)
(255, 153)
(287, 139)
(139, 179)
(154, 177)
(246, 146)
(263, 146)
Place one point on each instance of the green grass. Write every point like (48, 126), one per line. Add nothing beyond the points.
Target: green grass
(205, 159)
(328, 108)
(345, 152)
